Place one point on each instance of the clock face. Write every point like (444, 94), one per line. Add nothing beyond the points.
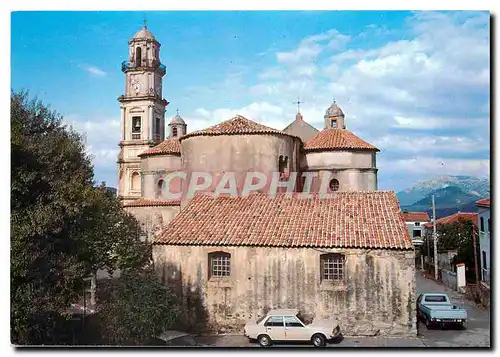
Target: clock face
(136, 87)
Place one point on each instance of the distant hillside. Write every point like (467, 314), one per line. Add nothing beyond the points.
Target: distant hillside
(475, 187)
(112, 190)
(449, 200)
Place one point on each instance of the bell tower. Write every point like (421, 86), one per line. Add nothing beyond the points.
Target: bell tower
(334, 117)
(142, 110)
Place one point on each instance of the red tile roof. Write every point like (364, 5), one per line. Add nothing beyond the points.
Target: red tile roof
(237, 125)
(416, 216)
(349, 219)
(141, 202)
(454, 218)
(169, 146)
(337, 139)
(485, 202)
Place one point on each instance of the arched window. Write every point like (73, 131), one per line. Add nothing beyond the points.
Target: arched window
(136, 181)
(332, 267)
(138, 57)
(219, 264)
(334, 185)
(136, 128)
(174, 131)
(283, 165)
(159, 189)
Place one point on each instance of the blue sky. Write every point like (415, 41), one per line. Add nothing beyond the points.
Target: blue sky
(415, 84)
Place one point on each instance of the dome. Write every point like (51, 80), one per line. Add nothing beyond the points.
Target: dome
(144, 33)
(334, 110)
(177, 120)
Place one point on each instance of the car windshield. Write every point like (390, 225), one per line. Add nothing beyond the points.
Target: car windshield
(435, 298)
(304, 320)
(260, 319)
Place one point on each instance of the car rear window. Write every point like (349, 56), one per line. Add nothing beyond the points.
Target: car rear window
(291, 321)
(274, 321)
(435, 298)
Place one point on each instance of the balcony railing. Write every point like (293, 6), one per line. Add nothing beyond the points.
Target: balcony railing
(128, 65)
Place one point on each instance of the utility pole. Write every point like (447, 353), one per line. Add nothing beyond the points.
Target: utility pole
(434, 234)
(474, 232)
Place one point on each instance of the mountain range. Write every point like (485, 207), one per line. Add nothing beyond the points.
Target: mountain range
(451, 193)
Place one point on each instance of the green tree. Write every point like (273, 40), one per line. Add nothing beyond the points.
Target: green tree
(455, 236)
(62, 227)
(135, 308)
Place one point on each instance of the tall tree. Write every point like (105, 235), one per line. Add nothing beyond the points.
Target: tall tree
(455, 236)
(62, 227)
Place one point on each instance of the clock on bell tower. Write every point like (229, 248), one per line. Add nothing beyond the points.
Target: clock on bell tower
(142, 110)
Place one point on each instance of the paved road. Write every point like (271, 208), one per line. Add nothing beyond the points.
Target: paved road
(476, 334)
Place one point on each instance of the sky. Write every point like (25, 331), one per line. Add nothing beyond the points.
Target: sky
(415, 84)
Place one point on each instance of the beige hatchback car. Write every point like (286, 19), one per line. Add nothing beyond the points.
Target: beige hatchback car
(285, 325)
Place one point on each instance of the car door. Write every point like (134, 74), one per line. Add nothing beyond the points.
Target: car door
(295, 329)
(275, 328)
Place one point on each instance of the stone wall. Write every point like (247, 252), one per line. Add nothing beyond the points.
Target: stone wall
(153, 218)
(449, 278)
(377, 297)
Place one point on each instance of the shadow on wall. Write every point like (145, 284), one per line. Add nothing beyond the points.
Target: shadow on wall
(194, 316)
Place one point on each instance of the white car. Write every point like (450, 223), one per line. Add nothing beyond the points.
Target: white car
(285, 325)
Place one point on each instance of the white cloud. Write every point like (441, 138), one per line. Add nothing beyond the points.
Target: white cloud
(312, 46)
(432, 166)
(101, 139)
(93, 70)
(415, 144)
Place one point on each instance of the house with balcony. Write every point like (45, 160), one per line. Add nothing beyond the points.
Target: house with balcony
(415, 223)
(484, 224)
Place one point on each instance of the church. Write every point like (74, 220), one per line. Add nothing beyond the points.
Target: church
(348, 256)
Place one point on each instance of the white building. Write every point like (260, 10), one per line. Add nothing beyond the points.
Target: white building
(484, 224)
(415, 223)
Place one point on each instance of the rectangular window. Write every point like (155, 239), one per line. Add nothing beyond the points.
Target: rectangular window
(417, 224)
(417, 233)
(220, 264)
(334, 123)
(481, 223)
(276, 321)
(158, 129)
(292, 321)
(332, 267)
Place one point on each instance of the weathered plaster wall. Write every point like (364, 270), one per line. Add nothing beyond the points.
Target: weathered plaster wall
(340, 159)
(378, 295)
(155, 168)
(239, 154)
(153, 218)
(301, 129)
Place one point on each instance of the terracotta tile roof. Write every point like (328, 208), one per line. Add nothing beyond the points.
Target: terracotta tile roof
(416, 216)
(337, 139)
(454, 218)
(169, 146)
(235, 126)
(485, 202)
(349, 219)
(141, 202)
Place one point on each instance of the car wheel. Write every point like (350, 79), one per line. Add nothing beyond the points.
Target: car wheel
(318, 340)
(264, 340)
